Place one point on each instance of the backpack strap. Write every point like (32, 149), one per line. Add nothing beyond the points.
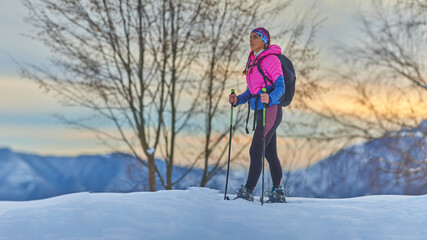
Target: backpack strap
(258, 64)
(249, 112)
(247, 118)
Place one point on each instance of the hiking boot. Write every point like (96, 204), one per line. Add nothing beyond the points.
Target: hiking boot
(245, 193)
(276, 195)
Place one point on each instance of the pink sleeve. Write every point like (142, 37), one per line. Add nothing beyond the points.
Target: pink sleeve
(272, 67)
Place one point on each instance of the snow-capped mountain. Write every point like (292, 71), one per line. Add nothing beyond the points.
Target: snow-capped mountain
(29, 176)
(26, 176)
(393, 164)
(364, 169)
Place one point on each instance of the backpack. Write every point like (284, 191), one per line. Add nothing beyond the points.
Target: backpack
(288, 75)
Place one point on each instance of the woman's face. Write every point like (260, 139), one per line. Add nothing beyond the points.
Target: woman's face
(256, 43)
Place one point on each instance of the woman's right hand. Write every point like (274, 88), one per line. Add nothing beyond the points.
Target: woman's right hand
(232, 98)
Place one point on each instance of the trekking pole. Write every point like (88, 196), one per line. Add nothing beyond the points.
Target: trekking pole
(229, 149)
(263, 148)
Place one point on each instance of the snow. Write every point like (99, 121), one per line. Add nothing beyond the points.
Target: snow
(151, 150)
(201, 213)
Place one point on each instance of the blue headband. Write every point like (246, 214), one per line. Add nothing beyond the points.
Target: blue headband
(263, 34)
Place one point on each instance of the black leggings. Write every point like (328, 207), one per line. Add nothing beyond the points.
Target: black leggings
(273, 116)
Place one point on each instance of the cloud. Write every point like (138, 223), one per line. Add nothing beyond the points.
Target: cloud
(49, 140)
(19, 95)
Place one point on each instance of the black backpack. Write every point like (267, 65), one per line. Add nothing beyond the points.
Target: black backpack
(288, 75)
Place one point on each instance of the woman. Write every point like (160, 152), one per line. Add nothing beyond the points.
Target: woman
(270, 65)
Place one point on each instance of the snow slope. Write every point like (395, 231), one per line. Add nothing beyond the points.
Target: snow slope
(201, 213)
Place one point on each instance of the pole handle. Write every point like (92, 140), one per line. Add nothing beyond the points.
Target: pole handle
(231, 114)
(263, 110)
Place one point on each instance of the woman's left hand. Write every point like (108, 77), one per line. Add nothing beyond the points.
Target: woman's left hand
(265, 98)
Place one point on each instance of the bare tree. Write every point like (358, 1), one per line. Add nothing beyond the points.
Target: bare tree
(227, 31)
(147, 67)
(124, 61)
(381, 81)
(176, 30)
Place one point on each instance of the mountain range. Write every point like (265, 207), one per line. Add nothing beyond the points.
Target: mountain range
(393, 164)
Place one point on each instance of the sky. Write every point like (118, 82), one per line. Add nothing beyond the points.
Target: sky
(26, 121)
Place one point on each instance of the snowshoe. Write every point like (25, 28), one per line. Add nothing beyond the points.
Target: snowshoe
(245, 193)
(276, 195)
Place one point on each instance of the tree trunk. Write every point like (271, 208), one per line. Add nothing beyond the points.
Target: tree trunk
(151, 173)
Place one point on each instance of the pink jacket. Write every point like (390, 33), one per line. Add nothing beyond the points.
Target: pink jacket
(270, 66)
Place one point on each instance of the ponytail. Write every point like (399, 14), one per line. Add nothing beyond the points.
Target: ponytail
(245, 71)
